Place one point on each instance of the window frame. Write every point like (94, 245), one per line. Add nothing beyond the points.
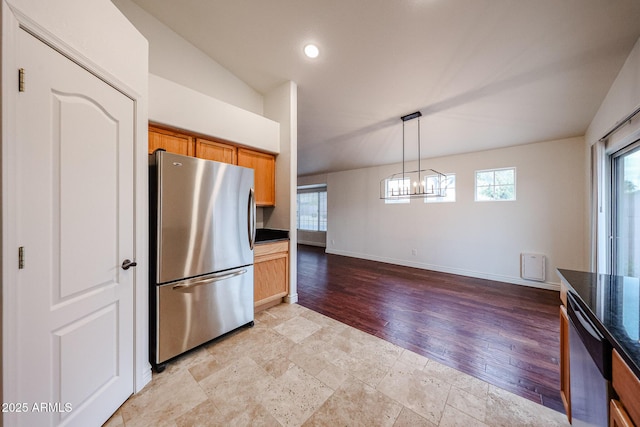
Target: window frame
(437, 199)
(399, 199)
(317, 190)
(494, 185)
(615, 175)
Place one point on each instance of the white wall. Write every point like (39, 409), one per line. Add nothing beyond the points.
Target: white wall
(281, 104)
(312, 238)
(184, 108)
(478, 239)
(312, 179)
(623, 97)
(96, 29)
(175, 59)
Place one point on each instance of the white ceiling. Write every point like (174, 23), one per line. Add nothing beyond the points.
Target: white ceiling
(484, 73)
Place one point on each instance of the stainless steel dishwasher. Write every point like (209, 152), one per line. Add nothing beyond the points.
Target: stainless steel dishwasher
(590, 369)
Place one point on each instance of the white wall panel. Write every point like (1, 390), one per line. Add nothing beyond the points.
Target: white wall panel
(622, 98)
(184, 108)
(175, 59)
(125, 55)
(281, 104)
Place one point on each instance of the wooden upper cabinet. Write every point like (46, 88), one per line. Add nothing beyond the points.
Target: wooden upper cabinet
(171, 141)
(213, 150)
(264, 166)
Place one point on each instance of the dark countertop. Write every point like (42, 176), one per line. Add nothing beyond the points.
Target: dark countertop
(265, 235)
(613, 305)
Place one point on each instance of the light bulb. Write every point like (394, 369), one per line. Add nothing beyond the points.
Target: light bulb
(311, 50)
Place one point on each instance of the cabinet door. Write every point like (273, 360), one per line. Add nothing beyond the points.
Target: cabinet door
(213, 150)
(271, 273)
(627, 387)
(565, 380)
(170, 141)
(271, 278)
(264, 166)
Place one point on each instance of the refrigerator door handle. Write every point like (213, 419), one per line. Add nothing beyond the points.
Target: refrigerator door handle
(206, 281)
(252, 218)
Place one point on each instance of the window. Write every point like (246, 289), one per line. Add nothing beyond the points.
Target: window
(450, 186)
(394, 187)
(496, 184)
(312, 209)
(625, 166)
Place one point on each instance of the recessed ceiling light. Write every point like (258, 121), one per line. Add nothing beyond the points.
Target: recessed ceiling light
(311, 50)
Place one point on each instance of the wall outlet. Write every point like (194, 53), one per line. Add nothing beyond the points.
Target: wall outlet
(414, 252)
(333, 242)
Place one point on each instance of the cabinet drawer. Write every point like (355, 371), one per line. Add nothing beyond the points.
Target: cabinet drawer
(263, 249)
(627, 386)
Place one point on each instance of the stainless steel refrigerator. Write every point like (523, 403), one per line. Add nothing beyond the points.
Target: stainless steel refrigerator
(202, 231)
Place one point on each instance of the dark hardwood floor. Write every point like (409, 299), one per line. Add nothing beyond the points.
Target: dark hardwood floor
(504, 334)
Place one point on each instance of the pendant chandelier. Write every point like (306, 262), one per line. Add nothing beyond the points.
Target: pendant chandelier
(413, 183)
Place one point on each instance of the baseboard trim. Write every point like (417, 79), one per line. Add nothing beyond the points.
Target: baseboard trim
(442, 269)
(291, 299)
(146, 378)
(309, 243)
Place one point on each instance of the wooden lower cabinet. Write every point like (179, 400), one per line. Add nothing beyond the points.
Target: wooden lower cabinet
(264, 166)
(625, 411)
(565, 379)
(171, 141)
(618, 417)
(271, 274)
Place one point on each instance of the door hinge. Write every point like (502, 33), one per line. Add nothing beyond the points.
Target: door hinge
(20, 257)
(21, 80)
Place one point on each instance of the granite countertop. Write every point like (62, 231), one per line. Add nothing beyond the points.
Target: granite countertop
(613, 305)
(265, 235)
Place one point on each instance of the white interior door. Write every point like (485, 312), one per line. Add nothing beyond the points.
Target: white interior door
(76, 214)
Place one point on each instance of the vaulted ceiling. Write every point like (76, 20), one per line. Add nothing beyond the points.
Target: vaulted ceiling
(484, 73)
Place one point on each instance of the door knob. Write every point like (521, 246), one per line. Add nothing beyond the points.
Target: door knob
(127, 264)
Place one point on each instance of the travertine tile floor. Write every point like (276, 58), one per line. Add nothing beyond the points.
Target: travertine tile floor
(297, 367)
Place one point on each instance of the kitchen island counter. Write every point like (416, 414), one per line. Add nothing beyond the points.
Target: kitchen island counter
(613, 305)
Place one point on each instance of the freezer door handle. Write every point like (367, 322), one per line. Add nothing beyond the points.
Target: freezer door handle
(252, 218)
(206, 281)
